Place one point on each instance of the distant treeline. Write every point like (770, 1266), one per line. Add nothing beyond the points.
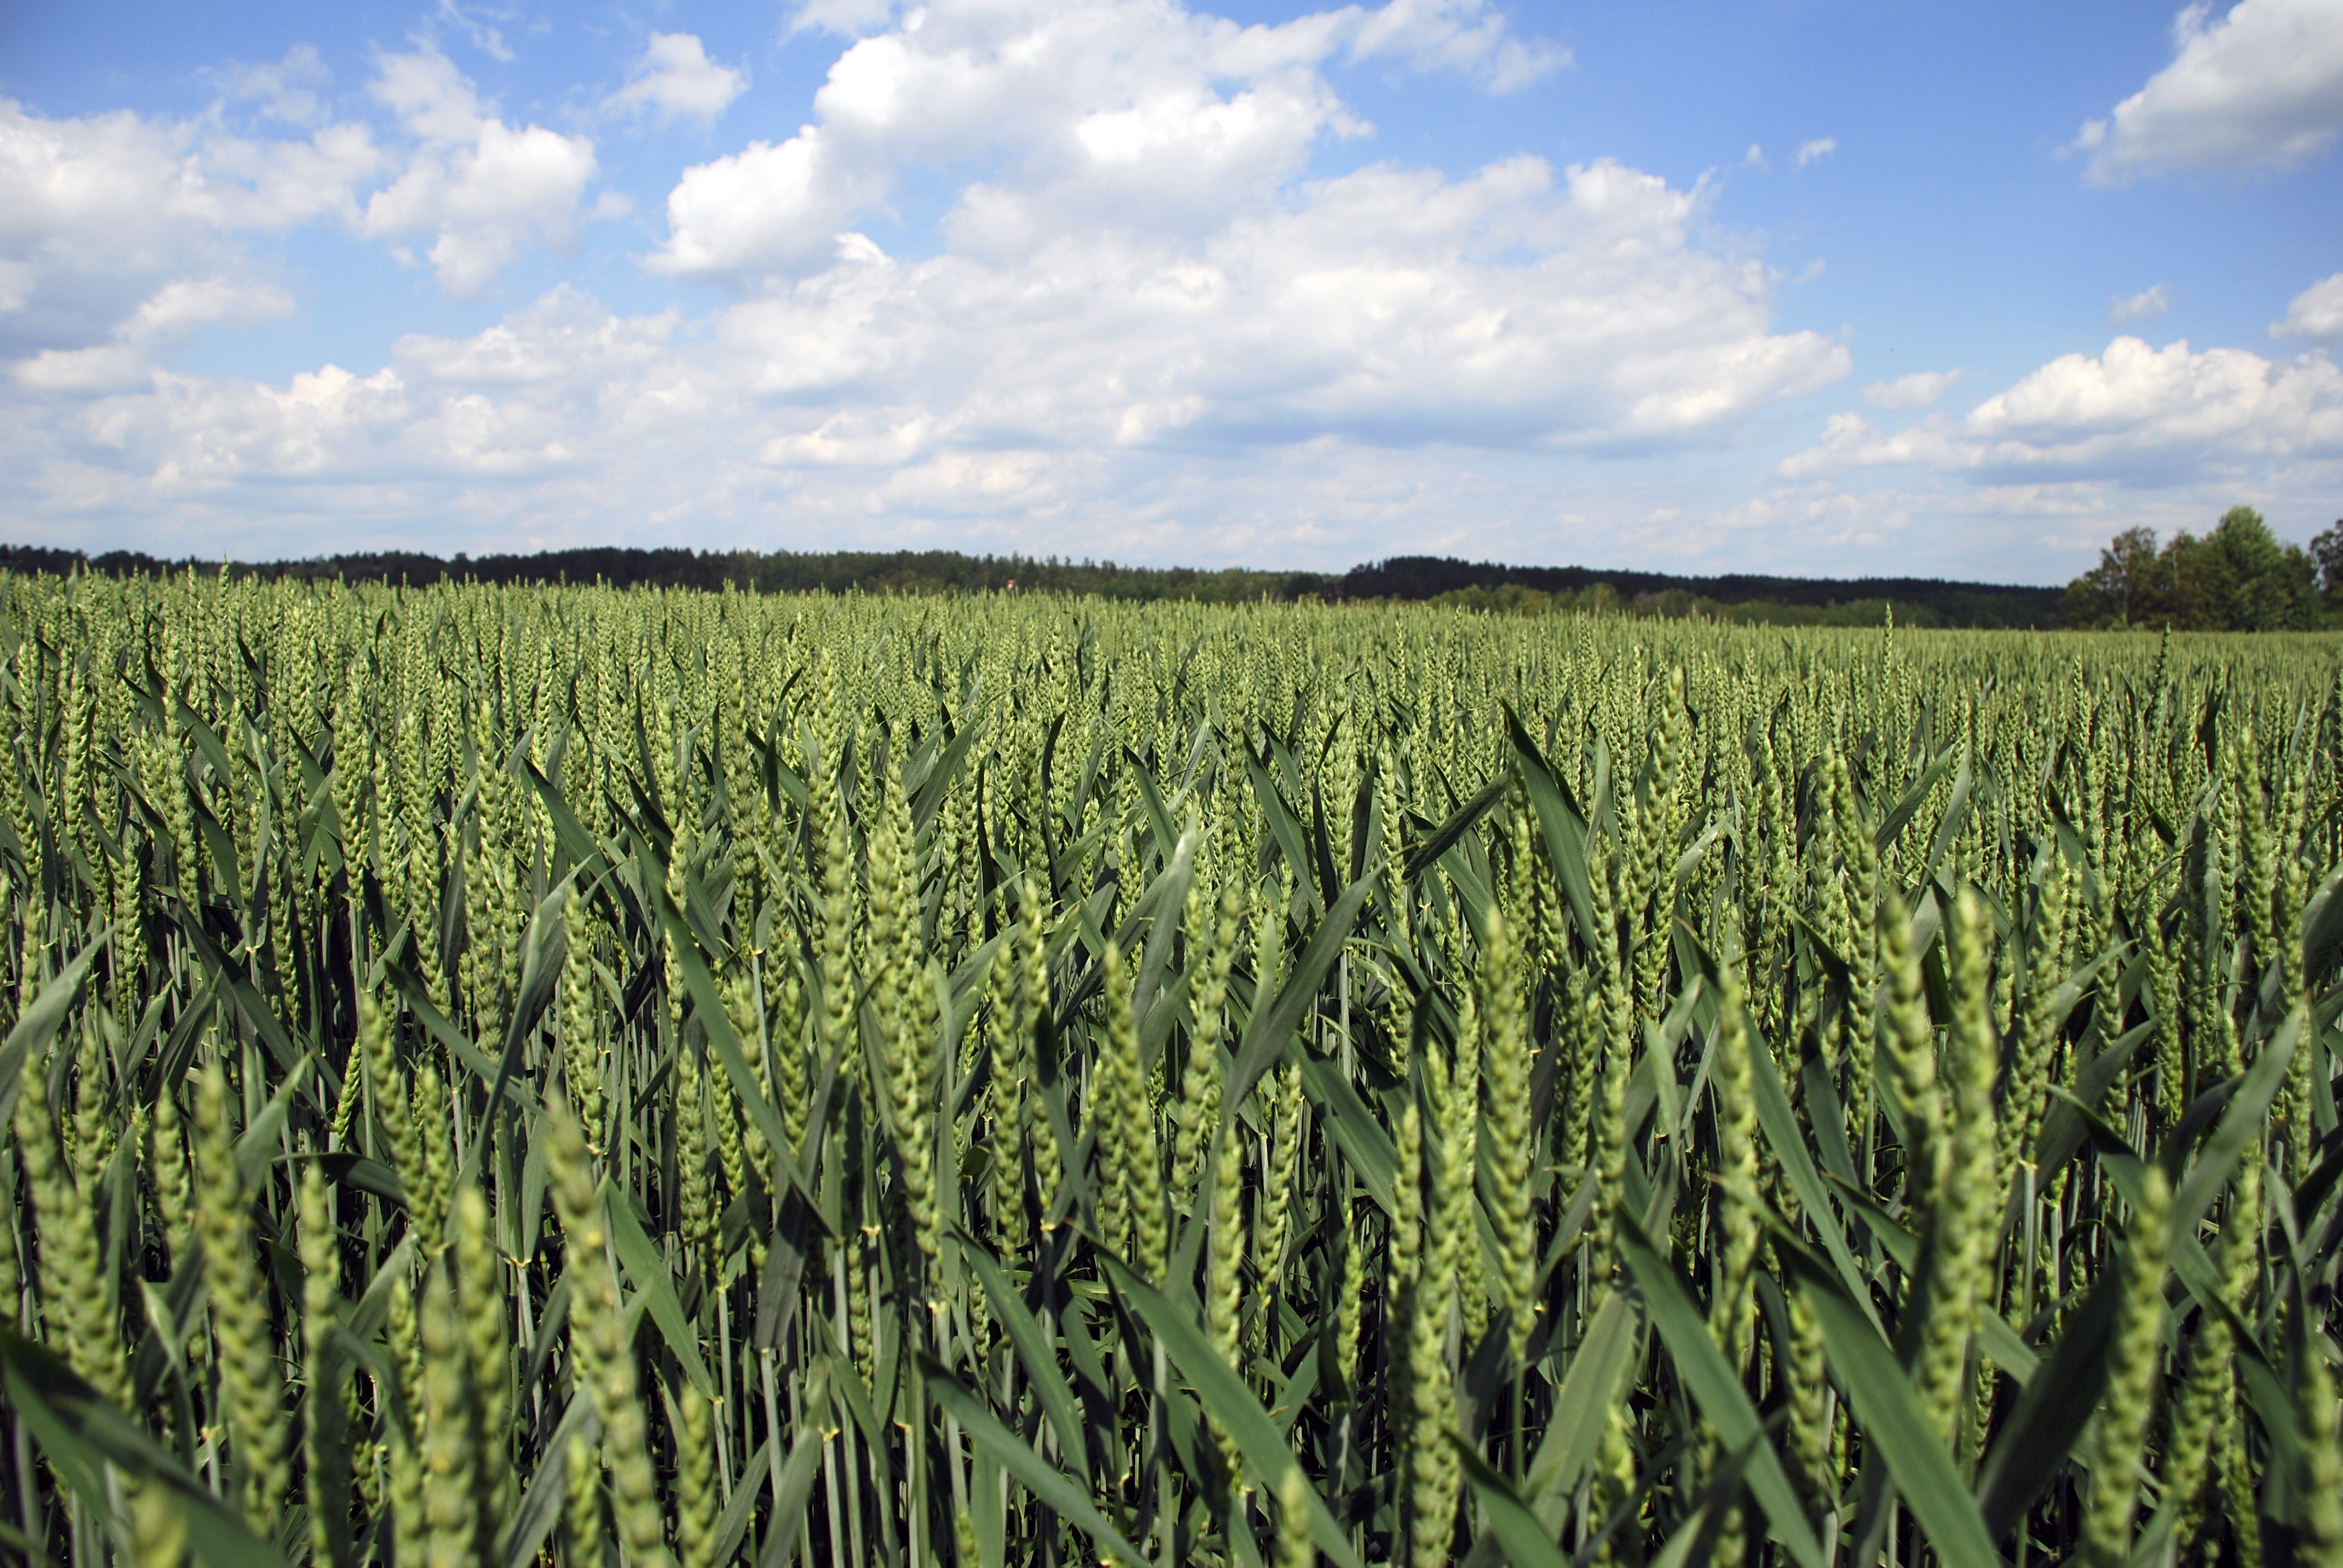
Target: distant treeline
(781, 571)
(1771, 601)
(1479, 585)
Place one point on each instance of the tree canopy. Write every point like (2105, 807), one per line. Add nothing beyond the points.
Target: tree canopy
(2239, 577)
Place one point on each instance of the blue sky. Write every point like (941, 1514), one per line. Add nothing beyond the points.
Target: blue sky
(1802, 286)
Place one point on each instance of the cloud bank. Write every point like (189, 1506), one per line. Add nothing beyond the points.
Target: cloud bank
(1144, 319)
(2133, 413)
(1101, 276)
(2261, 86)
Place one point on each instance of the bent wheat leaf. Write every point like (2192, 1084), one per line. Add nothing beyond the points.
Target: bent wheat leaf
(1704, 1371)
(82, 1435)
(1890, 1415)
(1230, 1403)
(1053, 1487)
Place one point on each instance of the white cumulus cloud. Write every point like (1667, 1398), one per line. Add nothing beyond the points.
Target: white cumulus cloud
(1916, 390)
(105, 368)
(1140, 262)
(180, 306)
(1468, 35)
(285, 89)
(1299, 378)
(421, 422)
(1820, 147)
(2260, 85)
(107, 215)
(81, 188)
(1097, 112)
(477, 184)
(768, 208)
(1139, 324)
(2146, 305)
(2316, 312)
(2133, 412)
(1370, 305)
(176, 310)
(677, 80)
(122, 233)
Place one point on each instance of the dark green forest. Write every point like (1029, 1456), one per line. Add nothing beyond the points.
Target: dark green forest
(1487, 586)
(2239, 576)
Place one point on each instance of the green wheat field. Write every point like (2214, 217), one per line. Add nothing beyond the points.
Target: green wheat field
(554, 1075)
